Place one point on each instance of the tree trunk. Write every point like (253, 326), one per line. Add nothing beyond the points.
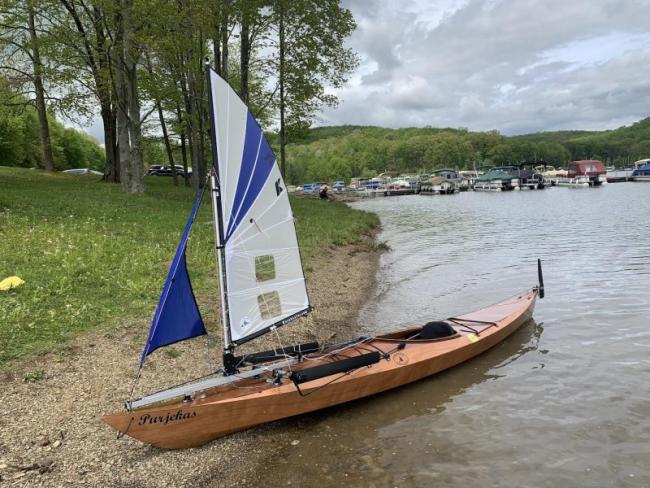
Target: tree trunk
(112, 166)
(224, 40)
(99, 59)
(44, 128)
(136, 163)
(121, 97)
(189, 122)
(244, 59)
(168, 147)
(283, 133)
(217, 50)
(129, 123)
(193, 134)
(202, 114)
(183, 146)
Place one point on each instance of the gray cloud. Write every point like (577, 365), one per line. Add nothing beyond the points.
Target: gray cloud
(513, 65)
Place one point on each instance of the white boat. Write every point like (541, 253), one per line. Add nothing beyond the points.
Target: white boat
(589, 171)
(641, 170)
(441, 182)
(500, 178)
(581, 181)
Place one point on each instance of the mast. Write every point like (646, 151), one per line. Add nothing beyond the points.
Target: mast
(215, 193)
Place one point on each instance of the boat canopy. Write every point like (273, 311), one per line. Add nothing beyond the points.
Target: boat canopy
(496, 174)
(590, 167)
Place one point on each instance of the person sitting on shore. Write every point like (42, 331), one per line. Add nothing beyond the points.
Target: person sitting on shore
(323, 193)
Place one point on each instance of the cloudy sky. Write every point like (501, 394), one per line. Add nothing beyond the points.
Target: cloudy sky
(518, 66)
(514, 65)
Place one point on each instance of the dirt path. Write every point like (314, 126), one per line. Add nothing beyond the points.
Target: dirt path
(50, 428)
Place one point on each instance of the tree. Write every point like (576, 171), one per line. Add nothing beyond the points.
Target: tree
(129, 122)
(309, 55)
(20, 46)
(85, 40)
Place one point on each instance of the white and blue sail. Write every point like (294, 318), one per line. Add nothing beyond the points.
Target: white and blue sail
(261, 276)
(264, 280)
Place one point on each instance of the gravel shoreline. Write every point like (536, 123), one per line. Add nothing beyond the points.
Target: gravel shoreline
(51, 433)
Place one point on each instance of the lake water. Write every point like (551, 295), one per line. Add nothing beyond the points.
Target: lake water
(564, 402)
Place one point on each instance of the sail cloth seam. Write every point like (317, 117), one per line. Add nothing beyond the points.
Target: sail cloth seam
(243, 241)
(248, 185)
(261, 288)
(246, 252)
(264, 172)
(261, 215)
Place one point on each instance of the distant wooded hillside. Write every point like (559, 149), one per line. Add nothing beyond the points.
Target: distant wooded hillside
(343, 152)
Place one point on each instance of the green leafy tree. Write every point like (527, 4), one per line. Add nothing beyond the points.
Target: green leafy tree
(310, 55)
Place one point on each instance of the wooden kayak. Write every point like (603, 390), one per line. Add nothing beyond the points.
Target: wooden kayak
(400, 358)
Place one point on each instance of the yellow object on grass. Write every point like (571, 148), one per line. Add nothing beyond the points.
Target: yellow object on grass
(11, 282)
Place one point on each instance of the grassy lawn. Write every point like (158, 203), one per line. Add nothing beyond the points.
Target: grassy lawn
(91, 255)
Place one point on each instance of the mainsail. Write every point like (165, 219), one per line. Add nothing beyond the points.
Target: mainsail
(265, 285)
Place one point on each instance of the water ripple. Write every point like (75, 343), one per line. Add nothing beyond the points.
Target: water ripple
(579, 416)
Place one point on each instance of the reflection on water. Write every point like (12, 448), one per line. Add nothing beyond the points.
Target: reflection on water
(566, 407)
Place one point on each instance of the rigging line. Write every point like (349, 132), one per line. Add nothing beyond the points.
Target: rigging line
(137, 379)
(486, 322)
(416, 321)
(121, 434)
(175, 386)
(338, 351)
(277, 334)
(370, 347)
(481, 322)
(471, 329)
(209, 338)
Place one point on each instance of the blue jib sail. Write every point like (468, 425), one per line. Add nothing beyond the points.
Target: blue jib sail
(177, 316)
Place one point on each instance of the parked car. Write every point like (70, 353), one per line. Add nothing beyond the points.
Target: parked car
(153, 168)
(83, 171)
(159, 170)
(338, 186)
(312, 187)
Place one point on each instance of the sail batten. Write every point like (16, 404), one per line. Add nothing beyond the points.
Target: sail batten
(264, 280)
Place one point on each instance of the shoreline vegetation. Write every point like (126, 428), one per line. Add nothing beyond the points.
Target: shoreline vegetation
(342, 152)
(86, 363)
(91, 255)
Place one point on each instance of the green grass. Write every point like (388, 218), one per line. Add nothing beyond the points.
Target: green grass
(93, 256)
